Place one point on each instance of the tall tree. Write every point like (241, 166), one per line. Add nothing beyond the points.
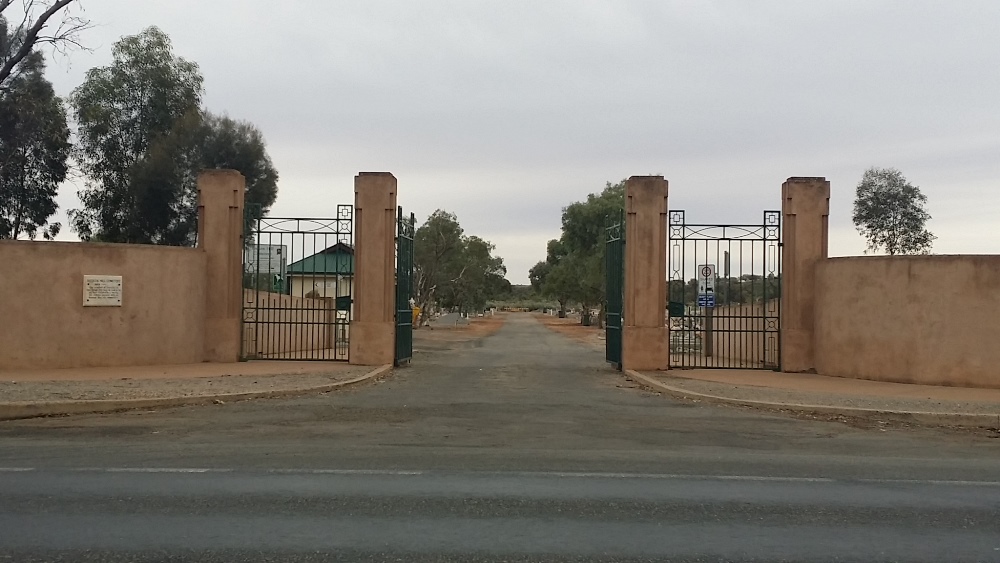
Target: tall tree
(436, 246)
(50, 23)
(890, 213)
(239, 145)
(551, 279)
(212, 141)
(576, 259)
(34, 148)
(583, 221)
(478, 276)
(137, 121)
(537, 275)
(452, 269)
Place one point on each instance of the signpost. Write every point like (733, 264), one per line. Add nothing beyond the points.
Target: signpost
(706, 300)
(706, 279)
(267, 258)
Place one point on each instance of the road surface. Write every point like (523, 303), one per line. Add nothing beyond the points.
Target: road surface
(520, 447)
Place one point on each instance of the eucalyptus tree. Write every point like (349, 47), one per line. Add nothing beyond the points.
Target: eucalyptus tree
(34, 149)
(891, 213)
(452, 269)
(137, 120)
(144, 137)
(574, 267)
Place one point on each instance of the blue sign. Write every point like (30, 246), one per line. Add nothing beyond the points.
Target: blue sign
(706, 300)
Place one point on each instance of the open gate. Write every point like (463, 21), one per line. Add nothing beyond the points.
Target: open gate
(298, 283)
(724, 287)
(614, 271)
(404, 287)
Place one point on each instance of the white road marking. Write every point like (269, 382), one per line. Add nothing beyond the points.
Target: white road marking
(665, 476)
(343, 472)
(930, 482)
(536, 474)
(157, 470)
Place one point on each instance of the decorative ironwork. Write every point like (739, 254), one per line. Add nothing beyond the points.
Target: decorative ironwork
(614, 270)
(298, 283)
(406, 227)
(732, 320)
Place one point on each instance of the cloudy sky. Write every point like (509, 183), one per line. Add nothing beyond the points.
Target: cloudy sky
(505, 111)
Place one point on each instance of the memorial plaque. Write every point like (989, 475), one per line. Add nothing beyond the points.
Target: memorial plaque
(102, 291)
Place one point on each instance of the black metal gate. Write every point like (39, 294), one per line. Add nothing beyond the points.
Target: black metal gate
(404, 287)
(724, 287)
(614, 271)
(298, 283)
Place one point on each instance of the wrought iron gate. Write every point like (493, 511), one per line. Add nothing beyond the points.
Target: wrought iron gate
(298, 283)
(614, 271)
(724, 287)
(404, 287)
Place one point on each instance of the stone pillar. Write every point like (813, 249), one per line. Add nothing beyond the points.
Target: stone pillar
(645, 338)
(805, 210)
(373, 327)
(220, 235)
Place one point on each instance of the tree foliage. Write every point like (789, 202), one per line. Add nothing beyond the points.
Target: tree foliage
(37, 23)
(136, 118)
(239, 145)
(143, 138)
(733, 290)
(34, 148)
(890, 213)
(552, 278)
(453, 270)
(537, 275)
(573, 270)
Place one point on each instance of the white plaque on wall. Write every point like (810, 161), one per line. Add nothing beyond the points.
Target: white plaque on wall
(102, 291)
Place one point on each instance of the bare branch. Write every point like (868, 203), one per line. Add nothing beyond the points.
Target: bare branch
(66, 33)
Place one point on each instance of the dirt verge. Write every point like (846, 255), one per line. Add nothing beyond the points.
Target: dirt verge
(570, 327)
(477, 327)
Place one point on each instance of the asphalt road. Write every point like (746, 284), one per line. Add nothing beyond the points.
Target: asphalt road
(520, 447)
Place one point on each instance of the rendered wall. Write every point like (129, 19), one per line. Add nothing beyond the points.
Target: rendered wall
(914, 319)
(43, 323)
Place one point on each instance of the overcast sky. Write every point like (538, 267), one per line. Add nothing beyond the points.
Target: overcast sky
(506, 111)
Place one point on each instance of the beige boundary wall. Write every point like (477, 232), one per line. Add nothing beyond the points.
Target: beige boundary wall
(912, 319)
(184, 305)
(178, 305)
(909, 319)
(161, 320)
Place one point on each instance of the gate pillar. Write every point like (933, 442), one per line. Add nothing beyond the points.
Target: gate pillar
(805, 209)
(372, 338)
(645, 338)
(220, 236)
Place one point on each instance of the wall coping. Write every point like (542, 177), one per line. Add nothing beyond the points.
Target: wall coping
(915, 258)
(98, 245)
